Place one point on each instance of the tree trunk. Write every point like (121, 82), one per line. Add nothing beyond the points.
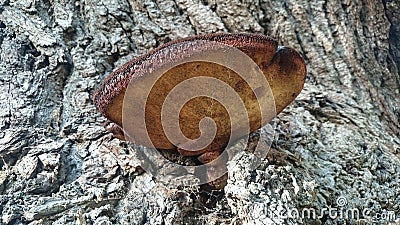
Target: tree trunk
(339, 139)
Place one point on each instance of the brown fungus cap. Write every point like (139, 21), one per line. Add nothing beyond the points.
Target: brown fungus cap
(283, 68)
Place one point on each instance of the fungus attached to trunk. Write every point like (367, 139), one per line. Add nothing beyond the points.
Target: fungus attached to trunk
(283, 69)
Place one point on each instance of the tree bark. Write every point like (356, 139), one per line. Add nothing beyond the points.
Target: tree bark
(340, 138)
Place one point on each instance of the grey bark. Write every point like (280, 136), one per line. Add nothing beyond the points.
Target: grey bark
(341, 135)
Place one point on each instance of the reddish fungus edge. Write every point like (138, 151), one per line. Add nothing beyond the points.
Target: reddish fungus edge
(117, 81)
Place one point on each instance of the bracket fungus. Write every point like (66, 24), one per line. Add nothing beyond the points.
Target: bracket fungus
(145, 83)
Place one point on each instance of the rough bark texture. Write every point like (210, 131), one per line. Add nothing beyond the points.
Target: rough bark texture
(59, 165)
